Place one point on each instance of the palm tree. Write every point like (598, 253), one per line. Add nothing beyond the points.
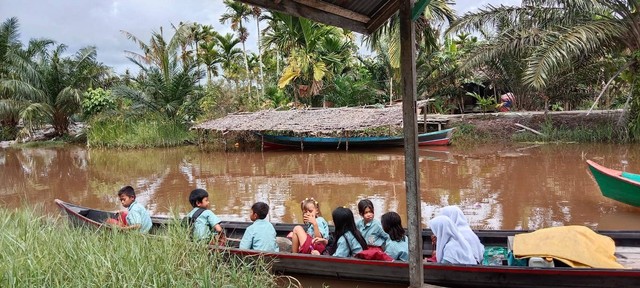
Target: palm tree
(552, 35)
(314, 52)
(54, 91)
(229, 54)
(436, 12)
(257, 13)
(237, 14)
(170, 80)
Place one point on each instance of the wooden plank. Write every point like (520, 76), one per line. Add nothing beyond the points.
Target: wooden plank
(300, 10)
(383, 15)
(334, 9)
(410, 128)
(530, 129)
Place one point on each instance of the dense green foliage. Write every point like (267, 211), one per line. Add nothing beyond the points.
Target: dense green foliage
(42, 252)
(550, 54)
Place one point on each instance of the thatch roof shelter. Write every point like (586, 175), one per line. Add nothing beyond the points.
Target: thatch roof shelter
(323, 121)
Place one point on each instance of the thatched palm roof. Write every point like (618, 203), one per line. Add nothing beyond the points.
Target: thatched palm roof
(332, 120)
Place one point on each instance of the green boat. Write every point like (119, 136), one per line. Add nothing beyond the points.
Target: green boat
(617, 185)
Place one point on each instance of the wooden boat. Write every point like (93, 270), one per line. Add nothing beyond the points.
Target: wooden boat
(448, 275)
(617, 185)
(437, 138)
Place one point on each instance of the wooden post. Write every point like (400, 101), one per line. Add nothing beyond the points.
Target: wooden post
(410, 126)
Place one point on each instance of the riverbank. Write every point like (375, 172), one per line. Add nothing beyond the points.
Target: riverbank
(600, 126)
(39, 251)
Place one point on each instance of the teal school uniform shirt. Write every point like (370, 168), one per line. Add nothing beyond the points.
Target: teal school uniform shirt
(372, 232)
(204, 224)
(323, 226)
(137, 214)
(398, 250)
(347, 246)
(260, 236)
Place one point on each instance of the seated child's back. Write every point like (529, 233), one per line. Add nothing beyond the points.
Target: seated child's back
(397, 246)
(260, 235)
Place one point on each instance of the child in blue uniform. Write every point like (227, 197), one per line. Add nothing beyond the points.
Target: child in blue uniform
(203, 220)
(370, 228)
(260, 235)
(348, 241)
(311, 240)
(397, 246)
(137, 216)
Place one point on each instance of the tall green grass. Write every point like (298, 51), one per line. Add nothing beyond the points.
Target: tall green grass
(605, 133)
(137, 132)
(46, 252)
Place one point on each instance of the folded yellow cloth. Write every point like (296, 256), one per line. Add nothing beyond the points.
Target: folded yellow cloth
(577, 246)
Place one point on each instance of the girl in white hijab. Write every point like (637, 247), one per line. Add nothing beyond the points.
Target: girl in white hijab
(451, 248)
(457, 217)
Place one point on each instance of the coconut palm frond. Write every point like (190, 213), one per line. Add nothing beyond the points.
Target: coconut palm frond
(559, 48)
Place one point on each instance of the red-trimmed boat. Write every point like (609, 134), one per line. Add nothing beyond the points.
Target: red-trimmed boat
(436, 274)
(270, 142)
(617, 185)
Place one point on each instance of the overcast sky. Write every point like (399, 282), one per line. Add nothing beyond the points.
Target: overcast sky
(80, 23)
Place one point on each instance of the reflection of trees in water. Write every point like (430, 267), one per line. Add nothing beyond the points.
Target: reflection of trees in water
(38, 175)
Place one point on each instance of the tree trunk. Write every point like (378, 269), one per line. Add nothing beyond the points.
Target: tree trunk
(260, 56)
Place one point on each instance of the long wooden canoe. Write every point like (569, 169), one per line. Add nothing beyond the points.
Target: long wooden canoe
(437, 138)
(617, 185)
(628, 254)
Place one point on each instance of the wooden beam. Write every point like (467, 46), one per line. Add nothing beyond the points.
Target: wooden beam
(300, 10)
(334, 9)
(383, 15)
(410, 128)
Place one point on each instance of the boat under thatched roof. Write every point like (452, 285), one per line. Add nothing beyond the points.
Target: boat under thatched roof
(323, 121)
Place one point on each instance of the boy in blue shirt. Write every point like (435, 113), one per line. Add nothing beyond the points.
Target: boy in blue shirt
(202, 219)
(260, 235)
(137, 216)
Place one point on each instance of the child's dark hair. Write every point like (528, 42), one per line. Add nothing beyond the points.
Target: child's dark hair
(196, 196)
(260, 208)
(343, 220)
(392, 225)
(363, 205)
(306, 201)
(127, 190)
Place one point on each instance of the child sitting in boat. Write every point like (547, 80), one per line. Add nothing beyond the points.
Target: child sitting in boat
(347, 241)
(260, 235)
(451, 248)
(137, 217)
(202, 220)
(397, 246)
(310, 240)
(457, 217)
(370, 228)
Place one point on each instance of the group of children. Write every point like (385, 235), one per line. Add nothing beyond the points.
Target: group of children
(454, 241)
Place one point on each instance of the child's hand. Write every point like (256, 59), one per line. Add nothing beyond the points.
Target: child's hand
(310, 218)
(315, 252)
(320, 240)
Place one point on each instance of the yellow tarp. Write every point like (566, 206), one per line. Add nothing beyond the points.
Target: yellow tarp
(577, 246)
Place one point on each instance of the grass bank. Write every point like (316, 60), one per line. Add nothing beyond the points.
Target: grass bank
(46, 252)
(600, 133)
(138, 132)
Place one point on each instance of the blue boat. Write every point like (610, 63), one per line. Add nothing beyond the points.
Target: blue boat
(437, 138)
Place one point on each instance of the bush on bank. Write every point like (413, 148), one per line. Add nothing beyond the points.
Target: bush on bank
(137, 132)
(45, 252)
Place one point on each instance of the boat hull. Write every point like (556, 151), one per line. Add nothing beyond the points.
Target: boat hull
(437, 138)
(614, 186)
(397, 272)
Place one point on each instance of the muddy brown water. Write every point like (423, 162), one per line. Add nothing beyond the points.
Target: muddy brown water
(498, 187)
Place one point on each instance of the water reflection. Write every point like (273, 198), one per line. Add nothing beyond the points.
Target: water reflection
(498, 187)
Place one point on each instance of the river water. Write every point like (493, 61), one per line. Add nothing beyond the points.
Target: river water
(498, 187)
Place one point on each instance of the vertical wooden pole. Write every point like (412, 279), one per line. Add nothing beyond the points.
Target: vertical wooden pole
(410, 126)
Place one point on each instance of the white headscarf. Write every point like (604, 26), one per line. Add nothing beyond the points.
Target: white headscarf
(457, 217)
(450, 245)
